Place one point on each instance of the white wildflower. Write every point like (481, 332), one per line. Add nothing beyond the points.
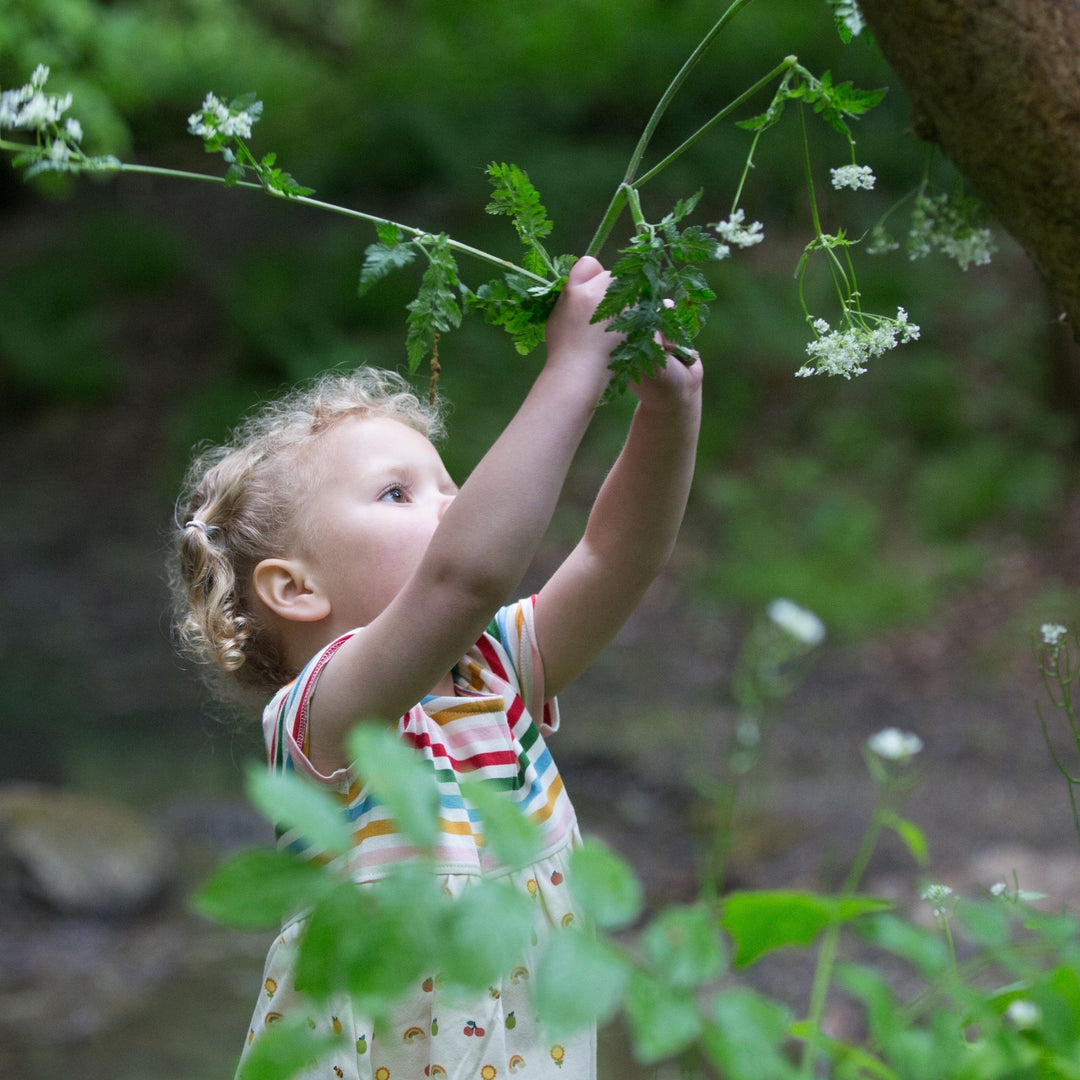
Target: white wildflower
(895, 745)
(801, 624)
(953, 225)
(217, 118)
(1024, 1014)
(881, 241)
(73, 129)
(937, 896)
(854, 177)
(734, 232)
(847, 13)
(999, 889)
(1052, 633)
(28, 108)
(847, 352)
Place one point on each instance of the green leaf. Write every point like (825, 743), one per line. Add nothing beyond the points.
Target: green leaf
(515, 196)
(284, 1050)
(258, 889)
(399, 778)
(374, 943)
(513, 838)
(762, 921)
(382, 259)
(869, 986)
(985, 922)
(436, 308)
(921, 947)
(912, 836)
(683, 946)
(745, 1036)
(519, 305)
(663, 1021)
(579, 980)
(295, 804)
(484, 932)
(605, 886)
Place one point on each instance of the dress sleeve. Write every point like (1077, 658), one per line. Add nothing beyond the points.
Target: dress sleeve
(513, 635)
(285, 722)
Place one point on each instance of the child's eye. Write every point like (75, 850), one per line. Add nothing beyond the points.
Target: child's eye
(395, 493)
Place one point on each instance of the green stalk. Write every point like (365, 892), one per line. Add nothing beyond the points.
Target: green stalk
(318, 204)
(826, 961)
(334, 208)
(787, 63)
(618, 200)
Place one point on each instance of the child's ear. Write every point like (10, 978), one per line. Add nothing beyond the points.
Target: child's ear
(284, 587)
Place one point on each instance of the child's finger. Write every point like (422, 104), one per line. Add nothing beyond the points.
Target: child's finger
(585, 269)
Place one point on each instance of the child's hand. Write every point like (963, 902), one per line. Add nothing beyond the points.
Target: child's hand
(677, 382)
(574, 342)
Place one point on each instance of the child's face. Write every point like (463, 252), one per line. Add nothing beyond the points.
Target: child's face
(381, 491)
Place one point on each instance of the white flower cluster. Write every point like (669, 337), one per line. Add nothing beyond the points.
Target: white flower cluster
(846, 352)
(217, 118)
(952, 226)
(881, 241)
(894, 744)
(1052, 633)
(938, 897)
(30, 109)
(848, 13)
(734, 232)
(800, 623)
(854, 177)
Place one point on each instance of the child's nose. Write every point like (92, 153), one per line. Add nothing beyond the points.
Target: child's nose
(444, 502)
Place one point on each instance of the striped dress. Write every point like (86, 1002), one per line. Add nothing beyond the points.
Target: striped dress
(492, 728)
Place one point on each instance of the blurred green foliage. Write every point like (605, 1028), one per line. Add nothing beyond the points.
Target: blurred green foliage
(865, 500)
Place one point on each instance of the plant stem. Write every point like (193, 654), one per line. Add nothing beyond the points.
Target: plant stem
(618, 200)
(318, 204)
(787, 63)
(826, 961)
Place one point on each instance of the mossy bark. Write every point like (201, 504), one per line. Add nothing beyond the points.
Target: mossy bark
(996, 84)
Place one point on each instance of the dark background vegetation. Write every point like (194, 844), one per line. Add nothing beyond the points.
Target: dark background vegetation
(925, 511)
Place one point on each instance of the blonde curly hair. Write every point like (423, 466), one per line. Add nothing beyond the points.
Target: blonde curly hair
(237, 503)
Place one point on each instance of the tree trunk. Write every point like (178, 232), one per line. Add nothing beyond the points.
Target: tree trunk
(996, 84)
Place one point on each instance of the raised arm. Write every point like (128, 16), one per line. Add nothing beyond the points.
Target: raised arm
(485, 540)
(631, 529)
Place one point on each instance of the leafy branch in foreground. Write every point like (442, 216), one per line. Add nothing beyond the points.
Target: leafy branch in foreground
(989, 991)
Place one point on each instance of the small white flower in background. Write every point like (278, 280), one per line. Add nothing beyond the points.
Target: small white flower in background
(1052, 633)
(734, 232)
(953, 225)
(881, 241)
(847, 352)
(1024, 1014)
(937, 896)
(801, 624)
(854, 177)
(894, 744)
(999, 889)
(73, 129)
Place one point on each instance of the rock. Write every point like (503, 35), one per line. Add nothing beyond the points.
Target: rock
(78, 854)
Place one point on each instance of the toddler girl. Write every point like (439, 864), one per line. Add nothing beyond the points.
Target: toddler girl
(327, 558)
